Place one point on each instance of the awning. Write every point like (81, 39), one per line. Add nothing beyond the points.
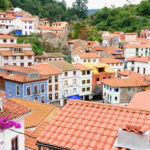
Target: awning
(74, 97)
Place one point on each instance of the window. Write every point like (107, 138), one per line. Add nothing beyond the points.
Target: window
(88, 72)
(14, 57)
(5, 57)
(29, 63)
(66, 74)
(83, 81)
(89, 60)
(74, 73)
(84, 60)
(50, 88)
(56, 78)
(94, 60)
(66, 83)
(50, 96)
(56, 95)
(12, 41)
(36, 99)
(143, 71)
(43, 99)
(22, 64)
(132, 62)
(42, 88)
(9, 92)
(4, 41)
(129, 89)
(36, 89)
(21, 57)
(112, 64)
(83, 72)
(115, 98)
(28, 91)
(138, 69)
(56, 87)
(74, 81)
(116, 89)
(88, 89)
(14, 144)
(109, 77)
(132, 68)
(50, 79)
(30, 27)
(97, 79)
(17, 90)
(29, 57)
(88, 81)
(83, 89)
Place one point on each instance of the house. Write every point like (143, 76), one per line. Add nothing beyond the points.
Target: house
(122, 90)
(23, 82)
(98, 50)
(141, 100)
(54, 82)
(116, 65)
(24, 26)
(63, 25)
(100, 71)
(13, 138)
(85, 81)
(139, 64)
(130, 36)
(86, 57)
(70, 78)
(35, 122)
(92, 44)
(44, 22)
(45, 57)
(136, 49)
(145, 34)
(15, 54)
(86, 125)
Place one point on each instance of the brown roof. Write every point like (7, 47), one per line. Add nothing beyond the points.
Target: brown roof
(10, 53)
(88, 55)
(7, 36)
(83, 125)
(134, 80)
(18, 69)
(12, 109)
(46, 69)
(40, 112)
(62, 65)
(15, 45)
(82, 67)
(140, 100)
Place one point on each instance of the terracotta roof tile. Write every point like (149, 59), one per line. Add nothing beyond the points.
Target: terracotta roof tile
(15, 45)
(46, 69)
(10, 53)
(7, 36)
(110, 60)
(139, 58)
(88, 55)
(82, 67)
(93, 125)
(25, 19)
(40, 112)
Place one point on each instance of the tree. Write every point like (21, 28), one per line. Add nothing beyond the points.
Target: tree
(80, 8)
(5, 4)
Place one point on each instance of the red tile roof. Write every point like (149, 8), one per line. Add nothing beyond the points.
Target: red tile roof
(10, 53)
(25, 19)
(141, 100)
(110, 60)
(84, 125)
(97, 48)
(46, 69)
(137, 45)
(7, 36)
(145, 59)
(15, 45)
(82, 67)
(13, 110)
(88, 55)
(134, 80)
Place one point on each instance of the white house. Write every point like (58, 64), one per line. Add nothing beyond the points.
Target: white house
(86, 57)
(13, 138)
(24, 26)
(85, 81)
(139, 64)
(70, 78)
(12, 53)
(121, 91)
(130, 36)
(136, 49)
(115, 64)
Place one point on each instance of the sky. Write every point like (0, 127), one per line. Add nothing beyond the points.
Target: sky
(95, 4)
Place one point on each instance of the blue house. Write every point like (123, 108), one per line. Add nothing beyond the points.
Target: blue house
(23, 82)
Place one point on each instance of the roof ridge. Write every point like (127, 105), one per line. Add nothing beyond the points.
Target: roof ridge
(109, 105)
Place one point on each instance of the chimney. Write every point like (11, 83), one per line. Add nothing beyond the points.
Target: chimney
(134, 137)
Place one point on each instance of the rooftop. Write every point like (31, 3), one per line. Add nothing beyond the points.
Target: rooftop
(46, 69)
(88, 55)
(40, 112)
(15, 45)
(6, 36)
(140, 100)
(62, 65)
(88, 125)
(144, 59)
(82, 67)
(110, 60)
(50, 55)
(10, 53)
